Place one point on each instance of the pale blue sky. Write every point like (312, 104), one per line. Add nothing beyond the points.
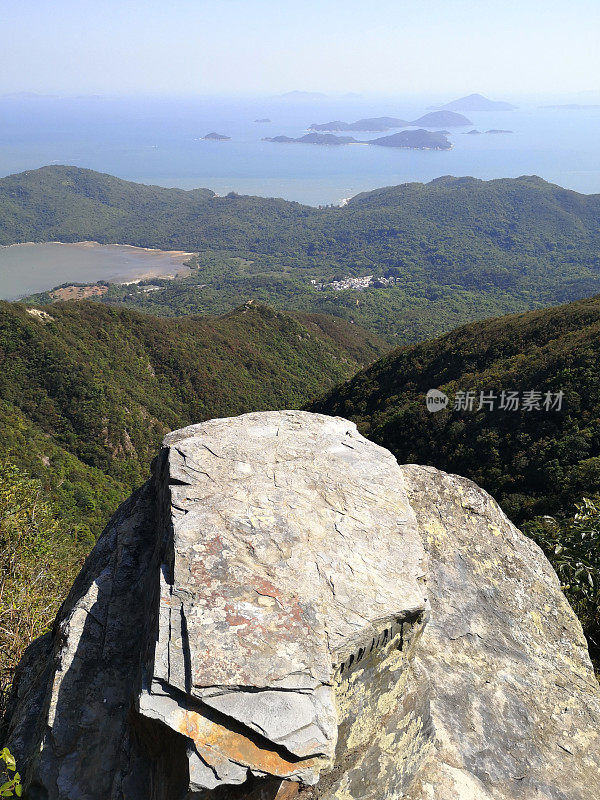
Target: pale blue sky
(388, 46)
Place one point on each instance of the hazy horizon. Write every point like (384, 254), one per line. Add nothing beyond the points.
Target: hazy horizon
(260, 48)
(130, 88)
(346, 95)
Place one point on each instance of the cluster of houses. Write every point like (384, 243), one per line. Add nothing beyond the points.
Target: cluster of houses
(362, 282)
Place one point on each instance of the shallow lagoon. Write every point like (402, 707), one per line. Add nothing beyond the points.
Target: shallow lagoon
(29, 268)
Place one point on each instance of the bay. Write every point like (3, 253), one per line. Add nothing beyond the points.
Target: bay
(30, 268)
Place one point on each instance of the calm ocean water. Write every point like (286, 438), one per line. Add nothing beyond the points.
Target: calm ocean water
(159, 141)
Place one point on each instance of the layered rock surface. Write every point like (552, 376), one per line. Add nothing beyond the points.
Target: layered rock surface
(284, 611)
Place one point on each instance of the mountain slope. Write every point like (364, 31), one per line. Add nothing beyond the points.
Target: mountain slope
(534, 462)
(87, 394)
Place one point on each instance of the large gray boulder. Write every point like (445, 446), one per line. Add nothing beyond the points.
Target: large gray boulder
(283, 611)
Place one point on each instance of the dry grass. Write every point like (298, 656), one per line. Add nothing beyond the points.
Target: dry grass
(38, 562)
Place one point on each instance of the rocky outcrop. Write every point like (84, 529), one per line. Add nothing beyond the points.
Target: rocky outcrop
(283, 611)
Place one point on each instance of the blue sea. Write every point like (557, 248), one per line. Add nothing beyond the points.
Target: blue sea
(159, 141)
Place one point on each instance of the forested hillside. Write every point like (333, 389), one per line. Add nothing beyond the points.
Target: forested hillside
(455, 249)
(87, 393)
(534, 461)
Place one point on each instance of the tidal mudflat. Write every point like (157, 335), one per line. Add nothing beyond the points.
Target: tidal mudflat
(29, 268)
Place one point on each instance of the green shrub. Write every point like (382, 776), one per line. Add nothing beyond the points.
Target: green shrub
(573, 547)
(12, 785)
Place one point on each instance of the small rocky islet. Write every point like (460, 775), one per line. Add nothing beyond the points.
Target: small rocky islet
(216, 137)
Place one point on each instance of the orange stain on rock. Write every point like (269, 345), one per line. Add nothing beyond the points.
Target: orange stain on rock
(212, 737)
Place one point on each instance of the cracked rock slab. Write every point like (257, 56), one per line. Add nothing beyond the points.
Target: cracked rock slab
(280, 567)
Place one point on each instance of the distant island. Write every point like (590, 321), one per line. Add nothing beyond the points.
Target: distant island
(476, 102)
(412, 140)
(415, 140)
(216, 137)
(371, 125)
(492, 130)
(447, 119)
(264, 119)
(573, 107)
(312, 138)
